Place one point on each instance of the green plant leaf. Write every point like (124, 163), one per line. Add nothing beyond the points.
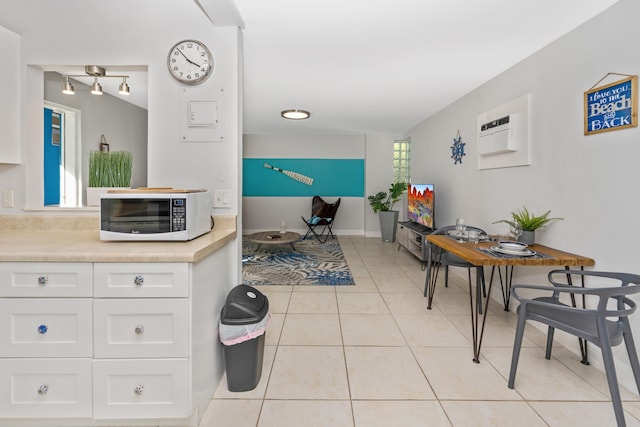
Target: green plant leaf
(384, 201)
(110, 169)
(528, 220)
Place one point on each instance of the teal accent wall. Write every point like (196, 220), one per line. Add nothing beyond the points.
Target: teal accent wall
(331, 177)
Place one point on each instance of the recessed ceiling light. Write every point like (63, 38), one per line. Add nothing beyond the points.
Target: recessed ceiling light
(295, 114)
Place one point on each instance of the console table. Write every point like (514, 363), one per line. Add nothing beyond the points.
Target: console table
(413, 237)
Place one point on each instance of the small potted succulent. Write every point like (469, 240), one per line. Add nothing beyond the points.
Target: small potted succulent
(528, 222)
(382, 203)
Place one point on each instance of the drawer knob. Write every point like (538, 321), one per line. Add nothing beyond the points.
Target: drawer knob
(139, 329)
(43, 389)
(138, 390)
(43, 280)
(138, 280)
(42, 329)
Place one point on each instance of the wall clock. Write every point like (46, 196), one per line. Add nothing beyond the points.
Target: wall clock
(190, 62)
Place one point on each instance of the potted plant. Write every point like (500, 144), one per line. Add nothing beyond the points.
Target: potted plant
(382, 203)
(529, 222)
(107, 170)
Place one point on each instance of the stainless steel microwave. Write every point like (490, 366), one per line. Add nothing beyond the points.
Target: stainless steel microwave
(140, 215)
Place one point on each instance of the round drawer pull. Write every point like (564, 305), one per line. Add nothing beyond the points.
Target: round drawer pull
(138, 390)
(42, 329)
(43, 280)
(138, 280)
(43, 389)
(139, 329)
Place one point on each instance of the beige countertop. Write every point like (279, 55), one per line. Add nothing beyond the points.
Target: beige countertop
(77, 239)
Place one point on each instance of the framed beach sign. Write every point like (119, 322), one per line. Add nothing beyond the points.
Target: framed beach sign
(611, 107)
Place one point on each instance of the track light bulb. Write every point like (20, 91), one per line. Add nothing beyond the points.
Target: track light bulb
(123, 89)
(96, 88)
(67, 88)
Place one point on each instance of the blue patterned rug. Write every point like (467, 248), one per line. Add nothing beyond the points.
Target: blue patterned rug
(311, 263)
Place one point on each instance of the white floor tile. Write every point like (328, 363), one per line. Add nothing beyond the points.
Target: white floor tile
(385, 373)
(308, 372)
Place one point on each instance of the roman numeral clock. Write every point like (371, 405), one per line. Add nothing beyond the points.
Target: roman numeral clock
(190, 62)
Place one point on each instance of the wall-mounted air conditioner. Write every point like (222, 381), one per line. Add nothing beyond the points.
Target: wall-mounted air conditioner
(498, 136)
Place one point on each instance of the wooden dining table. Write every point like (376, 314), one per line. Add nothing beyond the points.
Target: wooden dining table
(480, 255)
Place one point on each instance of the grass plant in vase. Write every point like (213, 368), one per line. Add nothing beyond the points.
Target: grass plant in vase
(108, 170)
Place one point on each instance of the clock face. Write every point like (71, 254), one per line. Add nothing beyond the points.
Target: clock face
(190, 62)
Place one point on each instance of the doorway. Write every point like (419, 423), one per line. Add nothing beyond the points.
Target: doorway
(62, 171)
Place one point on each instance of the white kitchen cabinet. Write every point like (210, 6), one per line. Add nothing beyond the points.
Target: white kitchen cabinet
(46, 279)
(45, 388)
(141, 280)
(139, 328)
(134, 389)
(98, 344)
(40, 327)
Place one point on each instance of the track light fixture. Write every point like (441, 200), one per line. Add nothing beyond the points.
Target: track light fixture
(95, 71)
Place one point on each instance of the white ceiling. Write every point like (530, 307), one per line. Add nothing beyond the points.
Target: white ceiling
(358, 65)
(385, 65)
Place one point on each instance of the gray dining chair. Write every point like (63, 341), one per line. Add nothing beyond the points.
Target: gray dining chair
(606, 325)
(448, 259)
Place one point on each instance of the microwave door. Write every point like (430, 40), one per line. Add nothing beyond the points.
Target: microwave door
(140, 225)
(136, 216)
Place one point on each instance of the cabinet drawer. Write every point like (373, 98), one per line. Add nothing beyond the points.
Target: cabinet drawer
(141, 328)
(143, 388)
(45, 279)
(141, 280)
(45, 388)
(37, 327)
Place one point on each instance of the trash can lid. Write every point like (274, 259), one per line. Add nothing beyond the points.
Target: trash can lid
(244, 305)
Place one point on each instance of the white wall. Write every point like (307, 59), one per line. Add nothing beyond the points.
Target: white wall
(142, 36)
(379, 175)
(591, 181)
(355, 216)
(266, 213)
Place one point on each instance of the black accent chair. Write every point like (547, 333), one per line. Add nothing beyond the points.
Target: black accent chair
(322, 217)
(606, 325)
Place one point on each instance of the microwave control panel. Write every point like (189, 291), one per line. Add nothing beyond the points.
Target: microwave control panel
(178, 214)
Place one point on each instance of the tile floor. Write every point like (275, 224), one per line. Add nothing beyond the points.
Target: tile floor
(372, 355)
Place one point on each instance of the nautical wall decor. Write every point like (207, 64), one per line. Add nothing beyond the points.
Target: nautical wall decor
(457, 149)
(302, 177)
(611, 107)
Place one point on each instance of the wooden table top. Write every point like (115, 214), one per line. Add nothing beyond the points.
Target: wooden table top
(263, 237)
(470, 253)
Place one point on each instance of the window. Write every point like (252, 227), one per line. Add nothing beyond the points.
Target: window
(402, 160)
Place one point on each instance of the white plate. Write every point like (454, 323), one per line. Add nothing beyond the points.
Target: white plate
(520, 252)
(512, 245)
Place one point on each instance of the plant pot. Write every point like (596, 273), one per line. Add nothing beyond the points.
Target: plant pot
(388, 221)
(93, 194)
(528, 237)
